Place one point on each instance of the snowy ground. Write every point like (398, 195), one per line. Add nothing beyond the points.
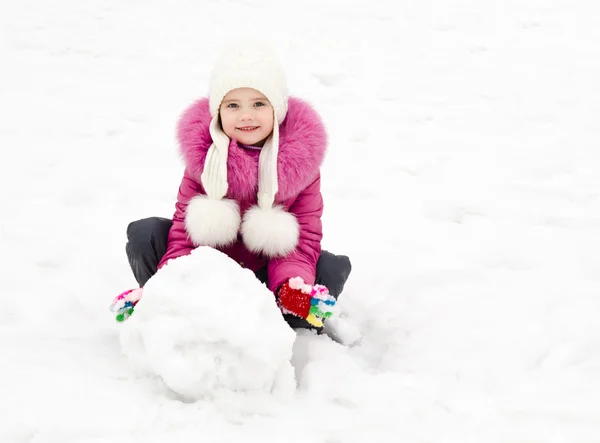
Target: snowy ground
(462, 179)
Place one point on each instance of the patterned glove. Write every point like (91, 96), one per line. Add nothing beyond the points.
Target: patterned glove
(123, 304)
(312, 303)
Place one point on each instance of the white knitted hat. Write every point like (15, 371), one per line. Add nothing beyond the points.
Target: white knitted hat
(213, 220)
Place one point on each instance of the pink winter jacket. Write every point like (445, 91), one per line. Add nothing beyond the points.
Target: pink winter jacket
(302, 144)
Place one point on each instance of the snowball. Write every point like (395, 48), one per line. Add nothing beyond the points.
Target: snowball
(206, 324)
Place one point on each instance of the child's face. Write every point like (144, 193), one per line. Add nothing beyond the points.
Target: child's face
(246, 116)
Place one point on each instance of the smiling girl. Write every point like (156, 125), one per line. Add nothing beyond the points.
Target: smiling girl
(251, 188)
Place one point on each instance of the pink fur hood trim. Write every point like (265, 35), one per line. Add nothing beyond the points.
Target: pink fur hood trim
(302, 146)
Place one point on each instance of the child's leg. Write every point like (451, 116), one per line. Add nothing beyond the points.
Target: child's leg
(333, 271)
(146, 245)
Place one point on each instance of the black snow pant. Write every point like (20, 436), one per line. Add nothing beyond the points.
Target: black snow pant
(147, 244)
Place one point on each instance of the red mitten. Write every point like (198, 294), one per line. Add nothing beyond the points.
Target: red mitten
(313, 303)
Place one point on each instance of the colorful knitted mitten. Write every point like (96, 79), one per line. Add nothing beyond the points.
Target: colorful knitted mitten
(312, 303)
(123, 304)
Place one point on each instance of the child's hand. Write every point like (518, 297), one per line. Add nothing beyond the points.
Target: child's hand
(123, 304)
(312, 303)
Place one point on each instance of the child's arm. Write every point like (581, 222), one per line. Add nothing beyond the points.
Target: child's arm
(179, 243)
(308, 209)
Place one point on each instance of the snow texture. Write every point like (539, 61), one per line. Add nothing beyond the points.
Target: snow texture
(461, 179)
(204, 324)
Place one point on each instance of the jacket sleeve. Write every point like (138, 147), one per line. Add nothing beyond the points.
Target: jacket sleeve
(308, 209)
(179, 243)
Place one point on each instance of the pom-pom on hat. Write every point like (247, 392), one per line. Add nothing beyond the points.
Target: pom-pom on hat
(213, 220)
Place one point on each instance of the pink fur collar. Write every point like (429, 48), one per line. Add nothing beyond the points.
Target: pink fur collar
(302, 145)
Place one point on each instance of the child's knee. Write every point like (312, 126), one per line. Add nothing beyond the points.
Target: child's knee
(334, 266)
(345, 266)
(333, 271)
(147, 228)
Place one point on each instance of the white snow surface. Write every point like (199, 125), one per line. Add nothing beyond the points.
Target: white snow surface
(203, 332)
(461, 179)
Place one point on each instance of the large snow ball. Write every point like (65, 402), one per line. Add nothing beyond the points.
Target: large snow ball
(205, 324)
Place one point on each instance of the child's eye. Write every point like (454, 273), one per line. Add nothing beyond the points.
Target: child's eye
(257, 104)
(232, 105)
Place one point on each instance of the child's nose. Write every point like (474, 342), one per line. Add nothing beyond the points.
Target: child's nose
(246, 116)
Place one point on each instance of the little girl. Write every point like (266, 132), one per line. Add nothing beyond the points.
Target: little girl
(251, 188)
